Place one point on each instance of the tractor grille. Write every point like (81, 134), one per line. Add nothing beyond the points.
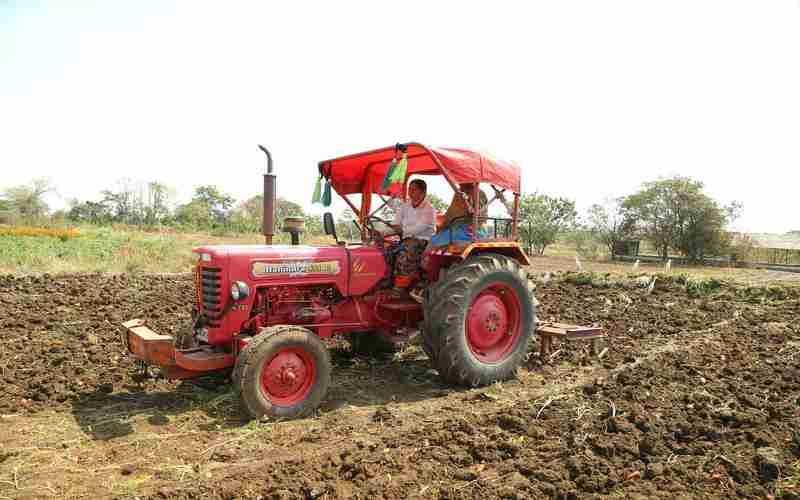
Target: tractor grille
(210, 296)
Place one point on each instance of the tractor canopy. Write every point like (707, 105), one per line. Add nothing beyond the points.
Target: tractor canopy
(364, 172)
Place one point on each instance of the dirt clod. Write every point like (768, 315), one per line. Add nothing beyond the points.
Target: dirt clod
(769, 463)
(684, 404)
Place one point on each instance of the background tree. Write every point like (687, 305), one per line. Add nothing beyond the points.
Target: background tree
(610, 223)
(543, 218)
(250, 213)
(285, 208)
(123, 202)
(703, 229)
(129, 202)
(313, 226)
(195, 214)
(675, 213)
(209, 208)
(26, 202)
(439, 204)
(345, 225)
(656, 210)
(93, 212)
(215, 200)
(6, 213)
(157, 202)
(583, 240)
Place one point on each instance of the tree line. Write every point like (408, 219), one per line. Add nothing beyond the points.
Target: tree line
(672, 214)
(141, 204)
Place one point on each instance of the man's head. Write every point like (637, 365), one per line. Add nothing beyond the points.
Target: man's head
(417, 190)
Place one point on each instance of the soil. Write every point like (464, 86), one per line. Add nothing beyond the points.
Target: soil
(695, 397)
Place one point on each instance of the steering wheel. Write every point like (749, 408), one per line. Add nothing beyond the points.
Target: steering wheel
(376, 235)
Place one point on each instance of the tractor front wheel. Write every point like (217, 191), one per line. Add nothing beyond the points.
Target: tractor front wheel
(283, 372)
(480, 320)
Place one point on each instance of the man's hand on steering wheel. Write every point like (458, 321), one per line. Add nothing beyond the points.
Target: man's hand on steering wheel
(371, 227)
(379, 237)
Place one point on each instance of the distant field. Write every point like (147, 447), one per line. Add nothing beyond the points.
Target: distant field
(561, 263)
(129, 250)
(106, 249)
(777, 240)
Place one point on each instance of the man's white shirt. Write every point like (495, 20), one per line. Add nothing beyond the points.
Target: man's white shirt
(419, 222)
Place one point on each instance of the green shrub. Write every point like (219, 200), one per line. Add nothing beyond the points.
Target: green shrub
(586, 244)
(702, 287)
(589, 279)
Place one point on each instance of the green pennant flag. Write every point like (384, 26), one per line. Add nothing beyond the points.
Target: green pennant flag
(316, 198)
(387, 179)
(326, 195)
(399, 174)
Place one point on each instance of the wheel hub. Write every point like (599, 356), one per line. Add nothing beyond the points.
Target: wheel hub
(493, 323)
(285, 375)
(488, 321)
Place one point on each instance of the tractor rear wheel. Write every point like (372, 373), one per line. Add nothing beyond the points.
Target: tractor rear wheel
(479, 320)
(283, 372)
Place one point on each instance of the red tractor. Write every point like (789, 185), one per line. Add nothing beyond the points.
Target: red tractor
(263, 310)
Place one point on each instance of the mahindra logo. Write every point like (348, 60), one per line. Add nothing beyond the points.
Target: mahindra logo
(359, 266)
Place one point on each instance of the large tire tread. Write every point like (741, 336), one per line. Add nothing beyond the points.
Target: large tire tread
(246, 375)
(444, 338)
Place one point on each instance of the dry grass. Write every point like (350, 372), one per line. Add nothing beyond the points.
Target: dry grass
(790, 483)
(114, 249)
(103, 249)
(62, 233)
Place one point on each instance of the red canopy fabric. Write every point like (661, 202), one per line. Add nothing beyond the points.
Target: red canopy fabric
(349, 174)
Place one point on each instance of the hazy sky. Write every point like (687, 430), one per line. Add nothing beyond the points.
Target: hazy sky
(591, 98)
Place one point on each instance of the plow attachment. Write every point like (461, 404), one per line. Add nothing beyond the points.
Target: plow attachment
(549, 330)
(159, 350)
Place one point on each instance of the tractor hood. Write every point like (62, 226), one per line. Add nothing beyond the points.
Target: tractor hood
(277, 264)
(353, 270)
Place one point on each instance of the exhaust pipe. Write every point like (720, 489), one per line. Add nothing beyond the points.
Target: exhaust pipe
(268, 218)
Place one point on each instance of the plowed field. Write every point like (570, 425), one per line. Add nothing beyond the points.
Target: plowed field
(695, 397)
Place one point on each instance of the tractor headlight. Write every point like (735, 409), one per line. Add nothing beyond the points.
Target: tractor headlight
(205, 257)
(239, 290)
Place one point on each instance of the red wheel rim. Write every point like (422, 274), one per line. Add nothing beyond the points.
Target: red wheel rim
(287, 378)
(493, 323)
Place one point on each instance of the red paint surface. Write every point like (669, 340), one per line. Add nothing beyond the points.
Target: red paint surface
(494, 323)
(288, 377)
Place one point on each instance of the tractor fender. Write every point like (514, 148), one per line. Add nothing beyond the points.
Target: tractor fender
(508, 248)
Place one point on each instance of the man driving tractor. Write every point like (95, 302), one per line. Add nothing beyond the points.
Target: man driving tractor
(415, 219)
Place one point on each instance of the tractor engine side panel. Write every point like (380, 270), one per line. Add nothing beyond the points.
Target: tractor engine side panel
(367, 268)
